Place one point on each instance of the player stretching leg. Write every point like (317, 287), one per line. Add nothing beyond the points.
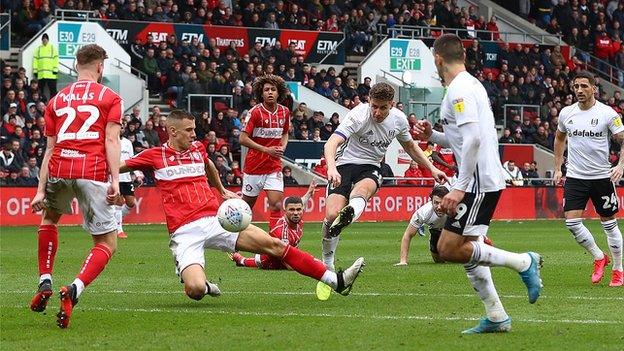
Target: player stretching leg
(586, 125)
(266, 136)
(180, 167)
(82, 128)
(353, 171)
(469, 130)
(127, 181)
(289, 229)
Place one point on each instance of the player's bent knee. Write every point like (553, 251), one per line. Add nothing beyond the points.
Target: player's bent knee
(195, 290)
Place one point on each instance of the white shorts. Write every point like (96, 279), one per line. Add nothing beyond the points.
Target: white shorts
(188, 242)
(254, 183)
(98, 217)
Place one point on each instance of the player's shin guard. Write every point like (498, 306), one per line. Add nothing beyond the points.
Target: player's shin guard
(614, 239)
(359, 204)
(303, 263)
(94, 264)
(583, 236)
(486, 255)
(47, 245)
(274, 216)
(481, 279)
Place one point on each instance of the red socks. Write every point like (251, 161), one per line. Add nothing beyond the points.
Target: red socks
(48, 243)
(273, 218)
(303, 262)
(250, 262)
(94, 264)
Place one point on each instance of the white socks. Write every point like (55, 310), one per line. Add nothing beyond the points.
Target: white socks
(614, 239)
(358, 204)
(481, 279)
(584, 237)
(330, 278)
(44, 277)
(329, 246)
(487, 255)
(79, 286)
(118, 218)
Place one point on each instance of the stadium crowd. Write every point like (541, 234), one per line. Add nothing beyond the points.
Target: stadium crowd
(525, 74)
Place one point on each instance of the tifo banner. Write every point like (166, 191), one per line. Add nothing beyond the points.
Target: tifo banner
(389, 204)
(313, 46)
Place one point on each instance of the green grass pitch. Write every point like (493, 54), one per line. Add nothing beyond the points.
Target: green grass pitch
(138, 303)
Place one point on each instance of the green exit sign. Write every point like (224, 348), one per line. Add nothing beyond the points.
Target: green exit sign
(399, 64)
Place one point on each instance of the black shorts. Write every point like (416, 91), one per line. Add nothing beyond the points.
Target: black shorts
(474, 214)
(434, 237)
(576, 193)
(350, 174)
(126, 188)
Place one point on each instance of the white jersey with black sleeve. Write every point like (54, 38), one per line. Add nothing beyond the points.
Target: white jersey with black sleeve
(466, 101)
(366, 141)
(588, 139)
(127, 151)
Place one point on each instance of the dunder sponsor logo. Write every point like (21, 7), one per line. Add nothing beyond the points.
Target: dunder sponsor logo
(269, 133)
(180, 171)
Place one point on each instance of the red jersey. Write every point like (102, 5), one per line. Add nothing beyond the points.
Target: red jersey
(265, 128)
(78, 116)
(287, 234)
(181, 179)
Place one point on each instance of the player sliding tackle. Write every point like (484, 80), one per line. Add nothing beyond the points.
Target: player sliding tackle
(469, 130)
(289, 229)
(353, 171)
(181, 167)
(586, 125)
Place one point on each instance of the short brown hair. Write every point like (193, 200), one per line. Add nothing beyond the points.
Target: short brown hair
(587, 75)
(90, 53)
(179, 115)
(277, 81)
(450, 47)
(382, 91)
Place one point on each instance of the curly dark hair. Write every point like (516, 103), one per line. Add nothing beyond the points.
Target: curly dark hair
(273, 79)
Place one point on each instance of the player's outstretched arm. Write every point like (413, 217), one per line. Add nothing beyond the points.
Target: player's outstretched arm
(419, 156)
(424, 131)
(329, 150)
(113, 155)
(309, 193)
(560, 144)
(37, 203)
(618, 170)
(215, 180)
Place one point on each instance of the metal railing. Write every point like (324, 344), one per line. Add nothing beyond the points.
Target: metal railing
(5, 29)
(194, 107)
(143, 76)
(425, 109)
(427, 32)
(603, 68)
(64, 14)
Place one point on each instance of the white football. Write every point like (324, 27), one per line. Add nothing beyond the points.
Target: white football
(234, 215)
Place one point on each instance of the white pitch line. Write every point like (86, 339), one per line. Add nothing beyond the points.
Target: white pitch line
(328, 315)
(301, 293)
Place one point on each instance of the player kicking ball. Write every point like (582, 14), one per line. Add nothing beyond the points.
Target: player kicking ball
(81, 160)
(181, 167)
(586, 125)
(469, 130)
(288, 229)
(354, 153)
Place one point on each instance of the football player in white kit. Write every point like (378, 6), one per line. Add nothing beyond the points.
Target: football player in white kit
(469, 130)
(586, 125)
(353, 171)
(127, 200)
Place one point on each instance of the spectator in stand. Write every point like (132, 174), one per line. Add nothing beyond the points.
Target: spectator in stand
(220, 125)
(412, 172)
(512, 174)
(288, 178)
(33, 168)
(8, 160)
(506, 138)
(25, 178)
(528, 172)
(150, 134)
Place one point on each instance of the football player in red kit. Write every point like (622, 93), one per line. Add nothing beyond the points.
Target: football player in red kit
(288, 229)
(181, 167)
(266, 136)
(81, 160)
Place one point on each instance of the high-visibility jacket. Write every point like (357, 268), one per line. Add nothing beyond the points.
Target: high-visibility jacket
(46, 62)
